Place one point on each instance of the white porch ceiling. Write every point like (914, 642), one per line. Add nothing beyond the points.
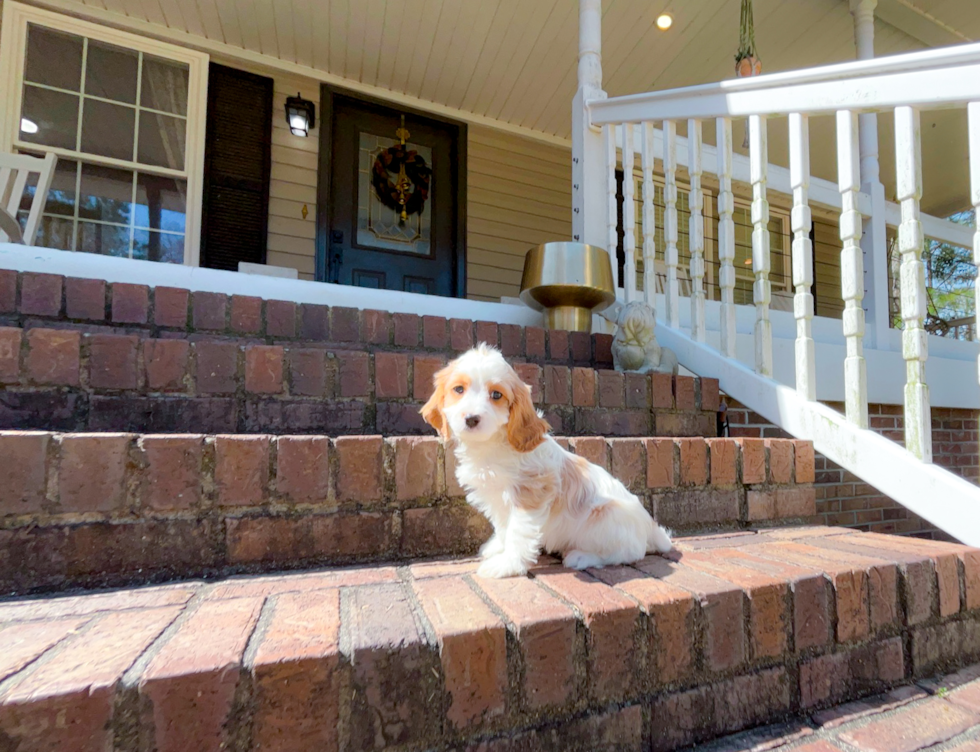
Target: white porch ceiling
(515, 60)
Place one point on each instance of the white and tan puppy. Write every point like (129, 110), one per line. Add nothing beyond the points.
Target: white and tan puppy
(536, 494)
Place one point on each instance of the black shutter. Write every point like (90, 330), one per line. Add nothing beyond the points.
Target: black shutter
(237, 165)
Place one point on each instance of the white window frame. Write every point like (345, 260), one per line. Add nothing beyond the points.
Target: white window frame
(13, 57)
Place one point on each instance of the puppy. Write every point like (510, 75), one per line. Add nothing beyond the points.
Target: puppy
(535, 494)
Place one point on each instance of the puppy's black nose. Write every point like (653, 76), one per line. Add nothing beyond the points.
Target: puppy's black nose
(472, 421)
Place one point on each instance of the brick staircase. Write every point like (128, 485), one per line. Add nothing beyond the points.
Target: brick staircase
(262, 461)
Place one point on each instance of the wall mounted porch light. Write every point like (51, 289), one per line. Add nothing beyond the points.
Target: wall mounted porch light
(300, 115)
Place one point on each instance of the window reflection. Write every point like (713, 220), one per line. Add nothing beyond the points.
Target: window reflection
(53, 58)
(106, 194)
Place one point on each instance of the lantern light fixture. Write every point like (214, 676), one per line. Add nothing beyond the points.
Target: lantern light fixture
(664, 21)
(300, 115)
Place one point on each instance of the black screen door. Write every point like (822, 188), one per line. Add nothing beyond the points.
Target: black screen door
(373, 235)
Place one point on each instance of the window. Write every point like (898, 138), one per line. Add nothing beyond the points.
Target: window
(123, 114)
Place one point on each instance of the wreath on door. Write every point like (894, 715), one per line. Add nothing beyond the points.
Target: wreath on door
(409, 192)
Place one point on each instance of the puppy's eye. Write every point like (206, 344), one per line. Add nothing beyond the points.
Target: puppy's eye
(459, 389)
(495, 395)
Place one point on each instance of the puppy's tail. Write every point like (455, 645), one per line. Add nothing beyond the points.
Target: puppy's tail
(658, 539)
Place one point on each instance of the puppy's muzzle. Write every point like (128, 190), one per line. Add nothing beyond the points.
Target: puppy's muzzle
(472, 421)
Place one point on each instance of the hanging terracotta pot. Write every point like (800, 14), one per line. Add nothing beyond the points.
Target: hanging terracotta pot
(748, 66)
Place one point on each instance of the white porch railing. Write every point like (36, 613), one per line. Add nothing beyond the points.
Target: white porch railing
(902, 85)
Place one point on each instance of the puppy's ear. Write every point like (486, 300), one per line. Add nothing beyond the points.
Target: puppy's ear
(432, 410)
(525, 430)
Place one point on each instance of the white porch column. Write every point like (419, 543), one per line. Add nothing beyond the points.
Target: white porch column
(874, 244)
(588, 158)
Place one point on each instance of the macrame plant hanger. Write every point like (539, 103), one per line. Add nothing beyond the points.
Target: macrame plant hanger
(747, 63)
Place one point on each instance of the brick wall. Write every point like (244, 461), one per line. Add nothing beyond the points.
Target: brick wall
(844, 499)
(93, 509)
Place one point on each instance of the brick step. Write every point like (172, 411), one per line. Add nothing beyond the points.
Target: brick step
(71, 380)
(109, 509)
(734, 631)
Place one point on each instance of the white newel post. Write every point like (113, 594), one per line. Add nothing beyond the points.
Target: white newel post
(874, 242)
(589, 220)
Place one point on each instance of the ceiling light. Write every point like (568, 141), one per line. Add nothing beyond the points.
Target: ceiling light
(664, 21)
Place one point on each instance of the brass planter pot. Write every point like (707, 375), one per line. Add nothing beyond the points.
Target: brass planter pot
(568, 282)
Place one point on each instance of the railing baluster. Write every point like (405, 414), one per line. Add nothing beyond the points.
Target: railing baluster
(915, 348)
(759, 173)
(629, 217)
(612, 239)
(726, 235)
(696, 235)
(800, 221)
(649, 219)
(973, 128)
(670, 223)
(852, 269)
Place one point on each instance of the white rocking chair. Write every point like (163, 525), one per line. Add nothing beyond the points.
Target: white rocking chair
(15, 170)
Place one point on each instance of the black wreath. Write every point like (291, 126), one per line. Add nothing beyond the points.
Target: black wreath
(390, 161)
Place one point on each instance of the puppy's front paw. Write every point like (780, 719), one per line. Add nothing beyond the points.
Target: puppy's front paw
(581, 560)
(501, 566)
(492, 547)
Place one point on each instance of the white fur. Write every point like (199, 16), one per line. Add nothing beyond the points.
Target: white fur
(590, 518)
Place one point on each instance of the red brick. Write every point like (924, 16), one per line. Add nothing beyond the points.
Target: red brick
(610, 388)
(210, 310)
(355, 378)
(8, 291)
(130, 303)
(534, 339)
(67, 702)
(173, 471)
(460, 334)
(558, 344)
(967, 696)
(638, 391)
(629, 462)
(486, 333)
(53, 356)
(280, 318)
(390, 375)
(21, 644)
(314, 322)
(444, 530)
(359, 476)
(296, 674)
(416, 467)
(375, 327)
(929, 723)
(388, 651)
(85, 299)
(662, 390)
(803, 451)
(246, 314)
(583, 387)
(453, 488)
(406, 329)
(611, 620)
(10, 340)
(684, 392)
(723, 460)
(424, 370)
(112, 361)
(795, 502)
(580, 344)
(191, 682)
(170, 307)
(217, 367)
(307, 372)
(92, 472)
(434, 334)
(761, 505)
(40, 294)
(23, 473)
(781, 453)
(309, 537)
(165, 361)
(241, 469)
(263, 369)
(671, 634)
(472, 649)
(557, 389)
(345, 324)
(721, 607)
(303, 469)
(511, 341)
(530, 374)
(592, 448)
(545, 629)
(710, 399)
(660, 463)
(753, 460)
(693, 462)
